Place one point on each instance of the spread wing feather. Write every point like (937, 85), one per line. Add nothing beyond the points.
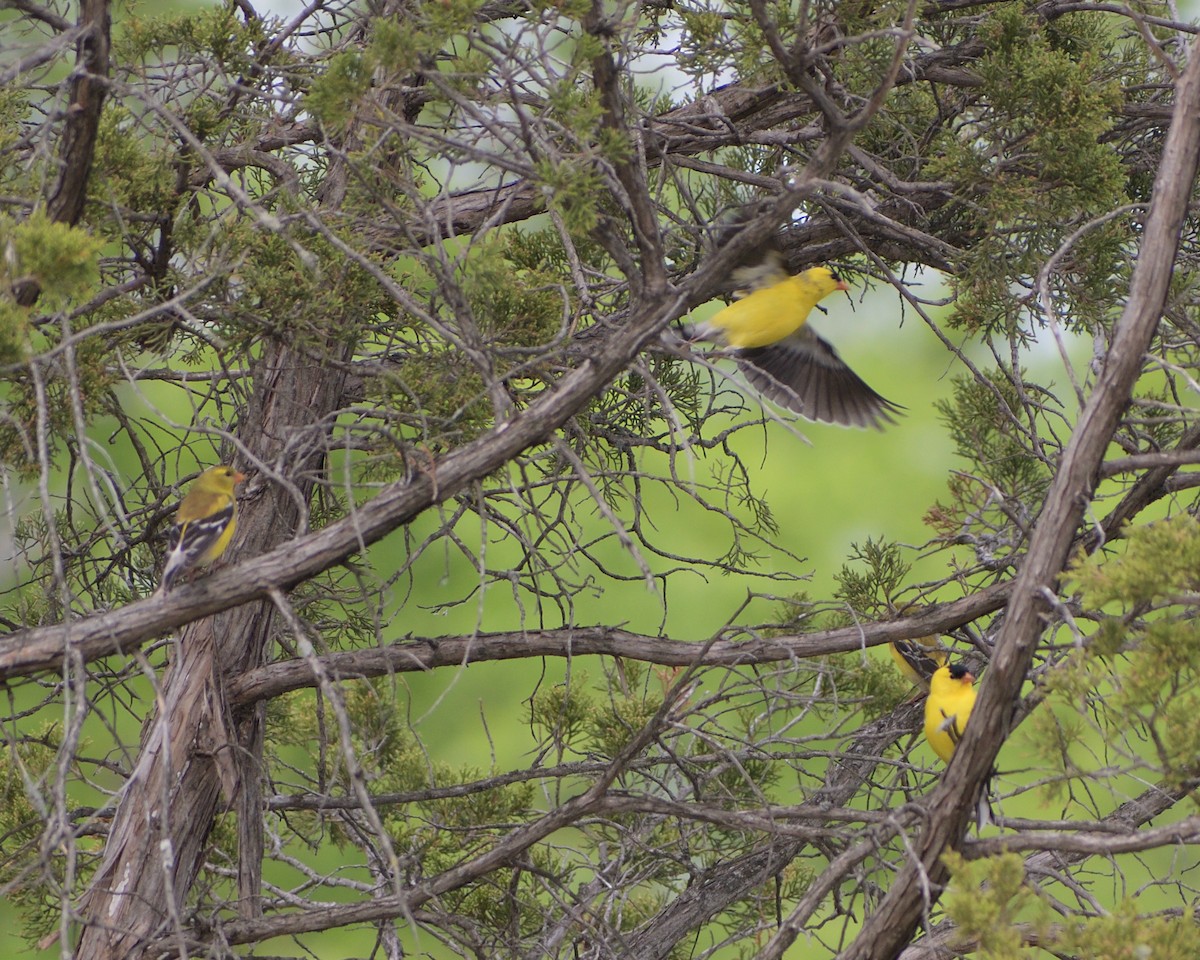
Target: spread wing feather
(805, 374)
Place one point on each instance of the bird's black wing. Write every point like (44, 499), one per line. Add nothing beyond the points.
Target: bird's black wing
(918, 657)
(805, 374)
(189, 542)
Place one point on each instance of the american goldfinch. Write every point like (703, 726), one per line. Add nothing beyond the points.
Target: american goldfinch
(918, 658)
(784, 359)
(204, 524)
(948, 707)
(947, 710)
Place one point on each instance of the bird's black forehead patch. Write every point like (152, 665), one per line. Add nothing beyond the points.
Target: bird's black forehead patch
(958, 670)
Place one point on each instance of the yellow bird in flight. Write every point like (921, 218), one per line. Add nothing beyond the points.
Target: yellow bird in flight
(782, 357)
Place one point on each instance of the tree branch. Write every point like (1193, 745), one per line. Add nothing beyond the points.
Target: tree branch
(78, 146)
(891, 926)
(275, 679)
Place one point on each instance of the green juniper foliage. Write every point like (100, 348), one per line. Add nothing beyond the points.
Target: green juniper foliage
(422, 270)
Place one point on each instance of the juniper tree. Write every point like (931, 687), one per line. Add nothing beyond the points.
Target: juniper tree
(417, 269)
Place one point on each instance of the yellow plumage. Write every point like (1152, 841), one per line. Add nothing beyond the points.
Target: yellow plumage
(771, 313)
(782, 357)
(204, 523)
(948, 708)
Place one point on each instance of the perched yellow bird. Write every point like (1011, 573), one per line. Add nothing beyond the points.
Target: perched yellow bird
(948, 707)
(204, 524)
(786, 360)
(918, 658)
(947, 710)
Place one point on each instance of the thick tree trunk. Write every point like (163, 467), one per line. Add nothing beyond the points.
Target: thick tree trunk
(193, 751)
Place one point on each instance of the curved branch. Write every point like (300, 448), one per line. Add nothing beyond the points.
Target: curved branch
(889, 928)
(433, 652)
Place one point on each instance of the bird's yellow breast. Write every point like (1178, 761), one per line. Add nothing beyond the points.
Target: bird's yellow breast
(769, 315)
(947, 711)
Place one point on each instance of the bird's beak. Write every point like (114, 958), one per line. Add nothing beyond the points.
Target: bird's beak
(968, 677)
(842, 285)
(238, 478)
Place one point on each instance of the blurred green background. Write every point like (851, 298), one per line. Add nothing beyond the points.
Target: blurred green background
(841, 487)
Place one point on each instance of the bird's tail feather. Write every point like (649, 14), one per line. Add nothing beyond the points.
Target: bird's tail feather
(984, 814)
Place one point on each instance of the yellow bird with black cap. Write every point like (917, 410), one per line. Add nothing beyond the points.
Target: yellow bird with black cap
(782, 357)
